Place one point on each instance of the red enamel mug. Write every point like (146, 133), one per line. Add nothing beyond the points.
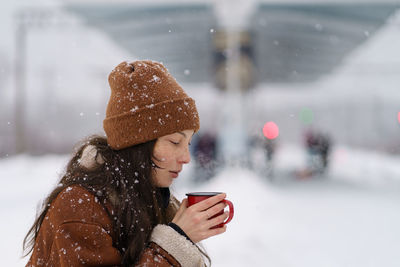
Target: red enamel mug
(196, 197)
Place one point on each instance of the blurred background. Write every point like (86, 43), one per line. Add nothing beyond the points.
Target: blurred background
(299, 104)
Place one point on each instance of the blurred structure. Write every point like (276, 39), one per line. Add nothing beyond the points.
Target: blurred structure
(243, 67)
(301, 42)
(276, 45)
(179, 35)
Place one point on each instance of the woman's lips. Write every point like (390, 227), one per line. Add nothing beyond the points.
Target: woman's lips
(174, 174)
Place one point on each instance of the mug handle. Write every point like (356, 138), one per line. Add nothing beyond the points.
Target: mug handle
(231, 211)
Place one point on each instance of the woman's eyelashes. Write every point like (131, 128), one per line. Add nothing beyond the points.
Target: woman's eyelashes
(178, 142)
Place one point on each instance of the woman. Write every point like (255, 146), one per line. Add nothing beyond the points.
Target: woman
(113, 206)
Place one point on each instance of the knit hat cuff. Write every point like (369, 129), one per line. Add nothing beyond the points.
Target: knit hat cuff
(150, 122)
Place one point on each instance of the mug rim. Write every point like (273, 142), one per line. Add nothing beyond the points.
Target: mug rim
(206, 194)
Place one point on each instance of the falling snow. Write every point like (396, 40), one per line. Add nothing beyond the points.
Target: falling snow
(155, 79)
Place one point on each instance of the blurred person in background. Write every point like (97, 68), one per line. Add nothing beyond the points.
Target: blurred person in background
(269, 149)
(113, 206)
(262, 162)
(318, 146)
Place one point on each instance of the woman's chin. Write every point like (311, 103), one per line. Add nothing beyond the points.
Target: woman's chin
(165, 181)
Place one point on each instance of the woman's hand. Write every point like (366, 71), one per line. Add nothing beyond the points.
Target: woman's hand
(195, 222)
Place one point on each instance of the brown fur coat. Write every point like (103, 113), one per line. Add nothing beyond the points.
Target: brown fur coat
(77, 232)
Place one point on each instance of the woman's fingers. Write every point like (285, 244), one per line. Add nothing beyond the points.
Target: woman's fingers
(209, 213)
(184, 203)
(181, 210)
(183, 206)
(209, 202)
(197, 220)
(217, 220)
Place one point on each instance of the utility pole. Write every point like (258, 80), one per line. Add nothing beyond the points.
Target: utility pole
(26, 20)
(20, 79)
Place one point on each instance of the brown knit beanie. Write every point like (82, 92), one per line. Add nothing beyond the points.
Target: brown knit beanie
(146, 102)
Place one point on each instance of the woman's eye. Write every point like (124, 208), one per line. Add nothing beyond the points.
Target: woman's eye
(175, 143)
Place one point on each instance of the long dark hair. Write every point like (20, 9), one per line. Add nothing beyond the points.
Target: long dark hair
(123, 182)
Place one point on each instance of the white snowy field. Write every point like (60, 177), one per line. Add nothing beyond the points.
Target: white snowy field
(349, 218)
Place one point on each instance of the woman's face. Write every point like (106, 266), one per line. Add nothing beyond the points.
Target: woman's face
(170, 153)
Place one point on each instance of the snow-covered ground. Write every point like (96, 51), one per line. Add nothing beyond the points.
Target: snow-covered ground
(348, 218)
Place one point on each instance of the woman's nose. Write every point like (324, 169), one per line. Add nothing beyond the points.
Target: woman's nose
(185, 156)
